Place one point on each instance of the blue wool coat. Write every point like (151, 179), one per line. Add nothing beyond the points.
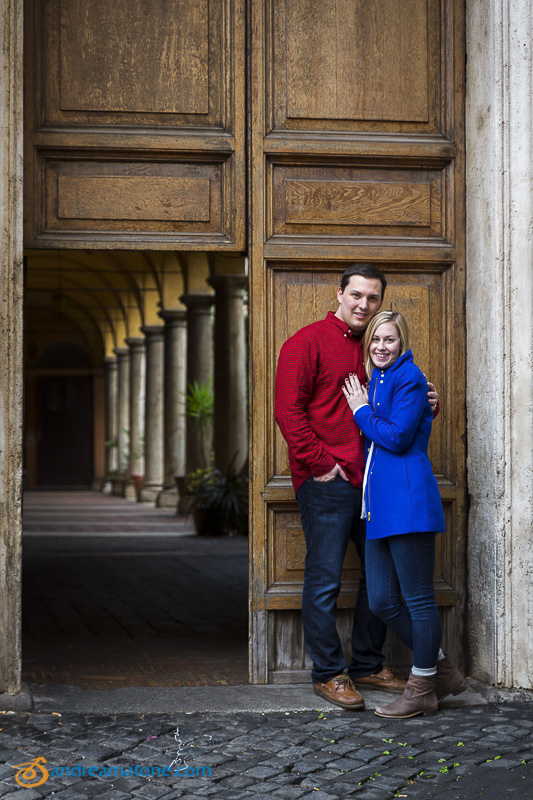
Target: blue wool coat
(402, 495)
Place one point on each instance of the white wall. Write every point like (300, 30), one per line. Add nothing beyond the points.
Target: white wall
(499, 256)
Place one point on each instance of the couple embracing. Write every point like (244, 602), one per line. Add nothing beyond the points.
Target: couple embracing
(360, 471)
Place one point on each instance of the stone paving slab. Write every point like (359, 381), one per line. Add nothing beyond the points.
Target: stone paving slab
(236, 756)
(117, 595)
(294, 697)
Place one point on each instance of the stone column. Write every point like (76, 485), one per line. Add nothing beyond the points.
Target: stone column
(499, 257)
(175, 384)
(137, 350)
(153, 439)
(199, 368)
(111, 421)
(231, 415)
(99, 433)
(11, 293)
(123, 417)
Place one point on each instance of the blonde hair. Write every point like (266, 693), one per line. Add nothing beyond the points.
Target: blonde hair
(385, 316)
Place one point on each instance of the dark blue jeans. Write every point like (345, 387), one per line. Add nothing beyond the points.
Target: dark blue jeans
(330, 514)
(404, 565)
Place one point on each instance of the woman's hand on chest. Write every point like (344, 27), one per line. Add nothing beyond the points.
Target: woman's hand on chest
(355, 393)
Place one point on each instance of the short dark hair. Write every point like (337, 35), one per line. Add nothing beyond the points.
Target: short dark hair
(369, 271)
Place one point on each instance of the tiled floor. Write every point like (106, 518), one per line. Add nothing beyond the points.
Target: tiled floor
(121, 594)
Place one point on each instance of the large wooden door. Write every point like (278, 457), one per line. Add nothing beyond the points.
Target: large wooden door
(356, 155)
(134, 124)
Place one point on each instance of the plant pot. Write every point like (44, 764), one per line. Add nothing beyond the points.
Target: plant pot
(181, 483)
(185, 498)
(206, 522)
(137, 481)
(119, 487)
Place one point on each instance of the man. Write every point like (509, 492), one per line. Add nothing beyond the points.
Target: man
(327, 461)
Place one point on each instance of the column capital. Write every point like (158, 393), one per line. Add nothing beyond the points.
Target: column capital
(196, 301)
(110, 362)
(136, 342)
(232, 285)
(153, 331)
(121, 352)
(174, 317)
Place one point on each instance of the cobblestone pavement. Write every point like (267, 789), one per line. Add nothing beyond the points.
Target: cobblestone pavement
(480, 751)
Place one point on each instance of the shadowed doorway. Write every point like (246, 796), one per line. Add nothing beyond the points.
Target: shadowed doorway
(65, 431)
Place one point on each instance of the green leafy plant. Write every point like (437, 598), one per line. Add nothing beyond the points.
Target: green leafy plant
(222, 496)
(200, 406)
(200, 400)
(123, 455)
(197, 477)
(138, 452)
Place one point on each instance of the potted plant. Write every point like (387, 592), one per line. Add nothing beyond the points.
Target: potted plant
(220, 501)
(200, 409)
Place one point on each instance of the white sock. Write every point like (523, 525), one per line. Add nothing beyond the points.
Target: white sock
(424, 672)
(440, 655)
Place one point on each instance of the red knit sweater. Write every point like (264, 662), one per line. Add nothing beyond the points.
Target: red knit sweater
(311, 409)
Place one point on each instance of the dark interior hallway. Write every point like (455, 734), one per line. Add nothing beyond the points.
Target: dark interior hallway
(119, 594)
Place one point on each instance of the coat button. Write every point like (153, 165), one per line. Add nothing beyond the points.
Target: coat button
(381, 381)
(378, 404)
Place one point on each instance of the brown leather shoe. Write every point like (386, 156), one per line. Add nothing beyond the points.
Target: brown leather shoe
(385, 680)
(341, 691)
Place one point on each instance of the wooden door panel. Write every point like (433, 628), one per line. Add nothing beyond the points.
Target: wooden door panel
(286, 560)
(354, 65)
(356, 155)
(86, 196)
(351, 201)
(135, 124)
(103, 71)
(115, 63)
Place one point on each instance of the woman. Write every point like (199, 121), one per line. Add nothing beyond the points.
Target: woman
(402, 506)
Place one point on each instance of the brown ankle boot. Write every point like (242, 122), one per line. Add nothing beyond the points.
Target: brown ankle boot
(448, 680)
(418, 698)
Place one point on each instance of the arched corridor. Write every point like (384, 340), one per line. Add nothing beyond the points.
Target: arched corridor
(120, 594)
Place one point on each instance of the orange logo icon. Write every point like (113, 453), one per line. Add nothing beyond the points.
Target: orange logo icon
(32, 773)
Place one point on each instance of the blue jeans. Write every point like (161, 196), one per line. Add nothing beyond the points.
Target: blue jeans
(404, 565)
(330, 512)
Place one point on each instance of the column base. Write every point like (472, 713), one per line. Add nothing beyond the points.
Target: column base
(168, 498)
(107, 487)
(130, 493)
(150, 493)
